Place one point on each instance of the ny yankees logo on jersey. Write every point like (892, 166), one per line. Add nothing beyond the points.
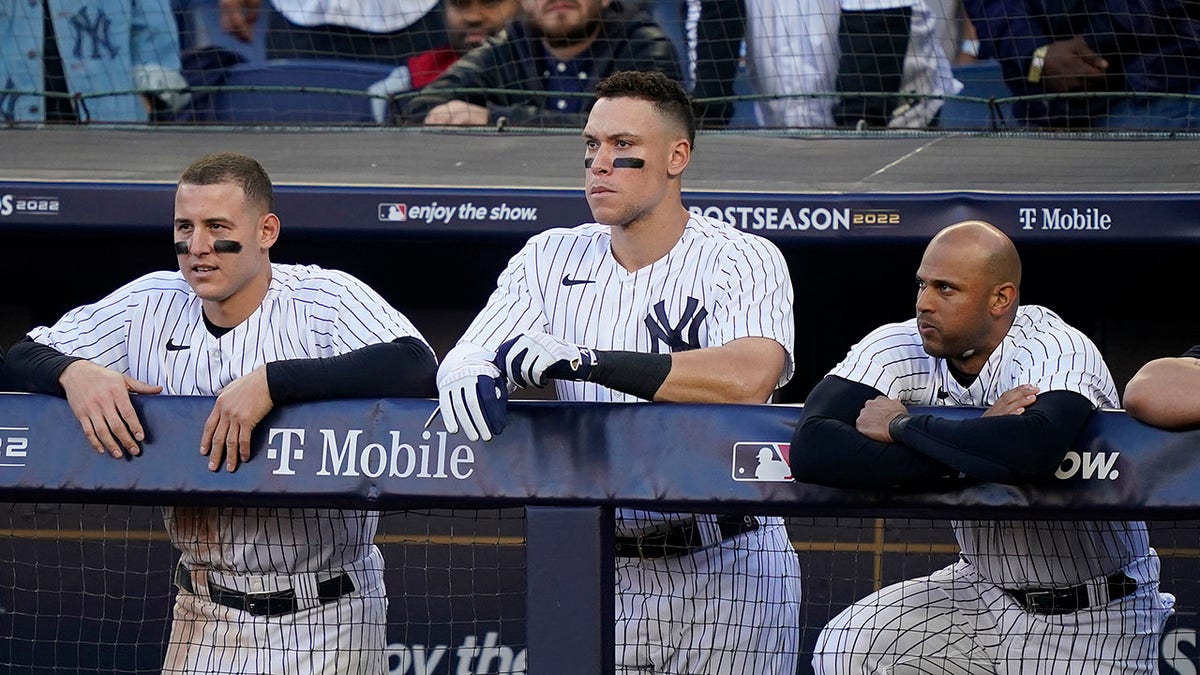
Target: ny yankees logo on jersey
(97, 32)
(662, 330)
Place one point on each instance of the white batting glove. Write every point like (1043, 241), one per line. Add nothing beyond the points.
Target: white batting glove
(528, 360)
(472, 393)
(397, 82)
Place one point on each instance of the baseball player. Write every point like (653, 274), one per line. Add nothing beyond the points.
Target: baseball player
(1026, 597)
(650, 303)
(262, 590)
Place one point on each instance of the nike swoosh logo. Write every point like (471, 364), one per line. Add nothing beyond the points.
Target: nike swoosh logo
(172, 347)
(568, 281)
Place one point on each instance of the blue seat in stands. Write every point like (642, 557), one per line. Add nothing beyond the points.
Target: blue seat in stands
(982, 80)
(291, 105)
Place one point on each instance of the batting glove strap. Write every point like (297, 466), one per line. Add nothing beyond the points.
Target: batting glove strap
(530, 359)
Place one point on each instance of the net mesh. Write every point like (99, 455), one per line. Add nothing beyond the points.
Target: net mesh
(88, 589)
(903, 64)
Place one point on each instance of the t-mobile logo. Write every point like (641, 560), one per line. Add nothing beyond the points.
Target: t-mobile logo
(287, 450)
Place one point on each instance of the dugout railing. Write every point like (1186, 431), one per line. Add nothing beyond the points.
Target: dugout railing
(568, 464)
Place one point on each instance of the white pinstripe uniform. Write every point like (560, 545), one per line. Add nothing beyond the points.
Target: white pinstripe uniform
(308, 312)
(959, 620)
(732, 607)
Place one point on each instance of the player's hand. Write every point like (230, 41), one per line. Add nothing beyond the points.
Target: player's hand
(528, 360)
(238, 17)
(875, 416)
(99, 397)
(1071, 65)
(240, 406)
(472, 393)
(457, 113)
(1014, 401)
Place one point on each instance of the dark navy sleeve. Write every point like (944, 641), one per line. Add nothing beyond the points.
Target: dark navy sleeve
(1004, 448)
(828, 450)
(34, 367)
(404, 368)
(1194, 352)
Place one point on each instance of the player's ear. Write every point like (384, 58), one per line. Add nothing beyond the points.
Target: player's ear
(1004, 298)
(681, 155)
(268, 231)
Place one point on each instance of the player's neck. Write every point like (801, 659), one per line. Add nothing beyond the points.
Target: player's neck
(971, 365)
(646, 240)
(238, 307)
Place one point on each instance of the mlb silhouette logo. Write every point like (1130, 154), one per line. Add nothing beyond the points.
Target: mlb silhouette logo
(762, 462)
(393, 212)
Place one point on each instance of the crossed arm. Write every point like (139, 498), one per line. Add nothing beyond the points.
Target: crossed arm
(831, 445)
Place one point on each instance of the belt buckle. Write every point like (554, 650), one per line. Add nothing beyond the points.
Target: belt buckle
(258, 604)
(1040, 602)
(1052, 602)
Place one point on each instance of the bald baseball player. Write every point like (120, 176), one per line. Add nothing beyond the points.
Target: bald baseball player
(1026, 597)
(650, 303)
(261, 590)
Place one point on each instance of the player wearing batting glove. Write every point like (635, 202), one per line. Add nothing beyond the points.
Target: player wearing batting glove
(672, 307)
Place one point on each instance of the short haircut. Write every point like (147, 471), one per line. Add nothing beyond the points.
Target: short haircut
(665, 93)
(231, 167)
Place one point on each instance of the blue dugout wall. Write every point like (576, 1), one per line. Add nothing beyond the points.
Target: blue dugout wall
(566, 464)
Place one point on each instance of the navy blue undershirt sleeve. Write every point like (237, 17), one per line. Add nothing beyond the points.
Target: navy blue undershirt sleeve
(827, 449)
(34, 367)
(1005, 448)
(404, 368)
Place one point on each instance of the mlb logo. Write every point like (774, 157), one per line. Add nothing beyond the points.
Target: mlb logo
(393, 213)
(766, 462)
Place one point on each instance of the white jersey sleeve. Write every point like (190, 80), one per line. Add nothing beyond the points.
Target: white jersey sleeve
(1054, 356)
(757, 298)
(516, 306)
(344, 311)
(100, 331)
(891, 359)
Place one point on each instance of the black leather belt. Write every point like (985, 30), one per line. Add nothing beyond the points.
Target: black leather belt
(1070, 600)
(276, 603)
(682, 538)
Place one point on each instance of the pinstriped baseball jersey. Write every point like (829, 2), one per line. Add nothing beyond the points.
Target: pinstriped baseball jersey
(717, 284)
(1039, 349)
(153, 329)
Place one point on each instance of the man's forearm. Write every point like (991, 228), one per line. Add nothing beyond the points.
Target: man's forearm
(1005, 448)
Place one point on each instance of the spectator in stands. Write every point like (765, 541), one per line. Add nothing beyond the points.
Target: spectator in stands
(87, 47)
(1116, 46)
(824, 47)
(468, 24)
(1166, 392)
(1051, 596)
(387, 31)
(560, 47)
